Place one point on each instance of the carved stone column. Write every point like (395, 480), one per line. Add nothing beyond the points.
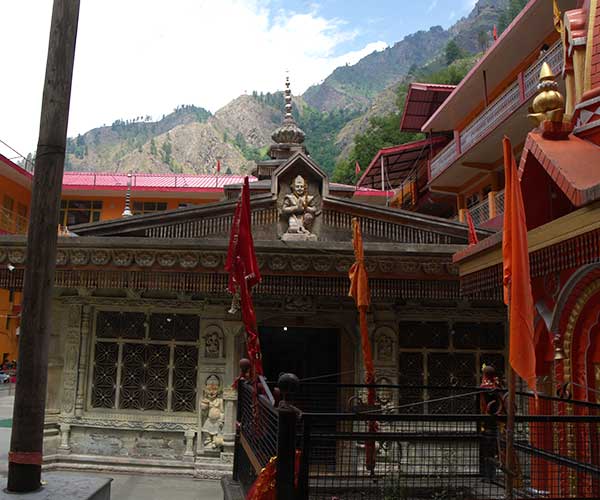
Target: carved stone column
(65, 431)
(188, 455)
(229, 400)
(71, 360)
(385, 355)
(83, 360)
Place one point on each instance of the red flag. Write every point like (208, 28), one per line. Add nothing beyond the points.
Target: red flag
(218, 166)
(495, 33)
(356, 168)
(243, 271)
(473, 239)
(516, 276)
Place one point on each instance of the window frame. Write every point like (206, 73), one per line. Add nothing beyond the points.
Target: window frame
(146, 206)
(95, 211)
(120, 342)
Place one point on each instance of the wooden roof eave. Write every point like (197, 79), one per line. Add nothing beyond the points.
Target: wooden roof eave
(128, 243)
(139, 223)
(406, 217)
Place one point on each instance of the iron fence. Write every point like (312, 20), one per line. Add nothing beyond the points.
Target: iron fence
(420, 443)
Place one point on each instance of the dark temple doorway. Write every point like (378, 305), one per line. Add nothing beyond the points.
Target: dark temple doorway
(309, 353)
(306, 352)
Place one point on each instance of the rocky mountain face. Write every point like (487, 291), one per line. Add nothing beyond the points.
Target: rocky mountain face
(192, 140)
(356, 86)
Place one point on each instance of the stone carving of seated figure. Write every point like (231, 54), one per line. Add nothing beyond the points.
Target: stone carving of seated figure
(300, 209)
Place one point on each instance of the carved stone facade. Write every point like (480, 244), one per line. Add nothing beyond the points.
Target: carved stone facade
(143, 351)
(80, 432)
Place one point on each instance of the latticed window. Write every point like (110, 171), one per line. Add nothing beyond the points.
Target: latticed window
(145, 361)
(445, 355)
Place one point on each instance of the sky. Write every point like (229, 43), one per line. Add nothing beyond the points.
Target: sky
(145, 57)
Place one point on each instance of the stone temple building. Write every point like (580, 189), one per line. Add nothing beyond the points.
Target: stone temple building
(143, 350)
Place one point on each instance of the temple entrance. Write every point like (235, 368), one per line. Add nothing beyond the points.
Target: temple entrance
(306, 352)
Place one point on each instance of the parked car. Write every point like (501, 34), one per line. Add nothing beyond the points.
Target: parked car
(4, 378)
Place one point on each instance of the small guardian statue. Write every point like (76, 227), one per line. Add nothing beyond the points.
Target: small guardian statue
(213, 413)
(300, 209)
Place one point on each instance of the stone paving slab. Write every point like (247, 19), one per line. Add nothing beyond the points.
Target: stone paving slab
(59, 486)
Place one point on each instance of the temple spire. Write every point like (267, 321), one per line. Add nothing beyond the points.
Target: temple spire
(289, 132)
(288, 99)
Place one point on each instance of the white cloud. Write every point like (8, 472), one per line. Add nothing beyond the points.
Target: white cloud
(432, 6)
(144, 57)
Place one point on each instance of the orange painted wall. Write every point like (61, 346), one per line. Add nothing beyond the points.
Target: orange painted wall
(20, 195)
(9, 322)
(113, 206)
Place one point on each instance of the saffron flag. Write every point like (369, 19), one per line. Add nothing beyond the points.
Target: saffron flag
(356, 168)
(242, 266)
(495, 33)
(473, 239)
(516, 276)
(218, 166)
(359, 291)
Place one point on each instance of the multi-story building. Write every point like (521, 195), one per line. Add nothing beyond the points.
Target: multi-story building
(469, 121)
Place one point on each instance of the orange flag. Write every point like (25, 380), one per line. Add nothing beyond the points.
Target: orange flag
(359, 291)
(473, 239)
(516, 277)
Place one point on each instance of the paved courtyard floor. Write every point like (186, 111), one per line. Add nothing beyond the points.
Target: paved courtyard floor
(124, 486)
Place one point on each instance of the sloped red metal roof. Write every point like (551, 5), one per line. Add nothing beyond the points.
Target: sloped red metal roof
(422, 101)
(149, 182)
(399, 161)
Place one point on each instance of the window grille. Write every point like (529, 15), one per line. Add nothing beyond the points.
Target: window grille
(145, 362)
(441, 354)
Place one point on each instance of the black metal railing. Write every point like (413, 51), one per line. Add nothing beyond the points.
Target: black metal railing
(419, 443)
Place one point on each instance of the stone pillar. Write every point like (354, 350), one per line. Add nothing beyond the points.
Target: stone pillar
(71, 360)
(83, 360)
(229, 400)
(188, 455)
(65, 431)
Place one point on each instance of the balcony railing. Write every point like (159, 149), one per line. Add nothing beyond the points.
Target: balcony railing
(500, 109)
(11, 222)
(481, 213)
(445, 157)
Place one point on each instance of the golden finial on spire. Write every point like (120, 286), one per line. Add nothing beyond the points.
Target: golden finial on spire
(549, 104)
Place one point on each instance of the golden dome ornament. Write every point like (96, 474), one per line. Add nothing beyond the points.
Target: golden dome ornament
(549, 103)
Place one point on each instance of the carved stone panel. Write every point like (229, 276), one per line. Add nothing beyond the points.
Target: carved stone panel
(385, 346)
(212, 342)
(71, 360)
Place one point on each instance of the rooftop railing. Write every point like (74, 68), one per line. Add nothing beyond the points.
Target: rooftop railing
(496, 112)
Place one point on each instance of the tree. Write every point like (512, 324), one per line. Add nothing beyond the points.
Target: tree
(482, 39)
(453, 52)
(153, 150)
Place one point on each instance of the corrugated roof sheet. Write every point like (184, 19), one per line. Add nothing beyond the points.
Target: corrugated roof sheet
(176, 182)
(422, 102)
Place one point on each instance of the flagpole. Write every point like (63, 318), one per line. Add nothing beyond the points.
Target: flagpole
(510, 418)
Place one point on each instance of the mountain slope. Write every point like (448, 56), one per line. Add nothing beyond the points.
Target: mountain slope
(331, 113)
(355, 86)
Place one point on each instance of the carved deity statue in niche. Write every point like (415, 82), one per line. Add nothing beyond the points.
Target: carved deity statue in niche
(212, 345)
(213, 413)
(300, 210)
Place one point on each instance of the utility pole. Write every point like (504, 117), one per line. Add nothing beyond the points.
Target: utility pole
(25, 457)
